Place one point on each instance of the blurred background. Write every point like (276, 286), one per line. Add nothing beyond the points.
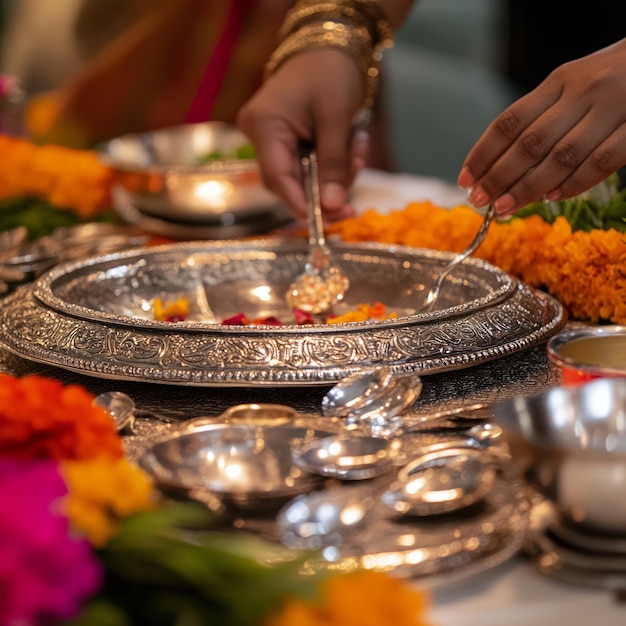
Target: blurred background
(456, 63)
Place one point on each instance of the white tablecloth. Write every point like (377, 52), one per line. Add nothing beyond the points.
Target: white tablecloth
(513, 594)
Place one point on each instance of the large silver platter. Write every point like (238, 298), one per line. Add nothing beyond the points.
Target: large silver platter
(95, 316)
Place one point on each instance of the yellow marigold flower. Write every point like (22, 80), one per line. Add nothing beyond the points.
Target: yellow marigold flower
(365, 598)
(103, 491)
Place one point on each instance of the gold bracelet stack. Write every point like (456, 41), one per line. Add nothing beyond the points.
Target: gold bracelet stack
(355, 27)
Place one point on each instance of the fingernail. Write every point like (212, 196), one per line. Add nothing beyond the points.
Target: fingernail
(478, 197)
(553, 195)
(333, 196)
(504, 204)
(465, 179)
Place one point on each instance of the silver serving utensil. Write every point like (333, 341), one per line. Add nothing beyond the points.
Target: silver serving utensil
(441, 481)
(120, 406)
(355, 391)
(435, 290)
(347, 457)
(323, 283)
(372, 401)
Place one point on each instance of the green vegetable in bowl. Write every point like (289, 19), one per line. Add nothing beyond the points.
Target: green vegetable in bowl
(243, 152)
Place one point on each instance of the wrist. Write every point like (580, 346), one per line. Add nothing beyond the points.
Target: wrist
(357, 28)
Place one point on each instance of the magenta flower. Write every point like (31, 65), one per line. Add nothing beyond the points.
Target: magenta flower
(45, 573)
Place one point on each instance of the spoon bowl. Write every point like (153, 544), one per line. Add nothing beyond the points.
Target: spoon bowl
(372, 401)
(441, 481)
(120, 406)
(323, 283)
(323, 519)
(347, 457)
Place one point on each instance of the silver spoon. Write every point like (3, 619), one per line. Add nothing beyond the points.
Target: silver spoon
(435, 290)
(120, 406)
(441, 481)
(322, 284)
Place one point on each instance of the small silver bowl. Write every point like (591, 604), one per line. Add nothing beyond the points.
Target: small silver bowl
(169, 173)
(244, 466)
(585, 354)
(570, 443)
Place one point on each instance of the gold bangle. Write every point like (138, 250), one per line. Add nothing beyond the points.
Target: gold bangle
(360, 12)
(355, 42)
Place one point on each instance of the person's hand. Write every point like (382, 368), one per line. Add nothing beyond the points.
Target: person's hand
(557, 141)
(313, 96)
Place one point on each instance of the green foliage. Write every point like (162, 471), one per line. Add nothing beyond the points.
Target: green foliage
(602, 207)
(166, 568)
(39, 217)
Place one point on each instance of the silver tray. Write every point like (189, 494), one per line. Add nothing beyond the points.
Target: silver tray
(95, 316)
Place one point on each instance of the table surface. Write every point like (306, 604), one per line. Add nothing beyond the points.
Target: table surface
(513, 594)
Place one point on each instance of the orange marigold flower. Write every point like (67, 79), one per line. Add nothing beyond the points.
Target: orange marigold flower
(364, 598)
(68, 179)
(586, 272)
(42, 419)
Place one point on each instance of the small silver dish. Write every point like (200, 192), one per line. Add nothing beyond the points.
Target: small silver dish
(441, 481)
(347, 457)
(245, 466)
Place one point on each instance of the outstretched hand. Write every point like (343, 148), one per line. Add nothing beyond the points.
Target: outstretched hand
(557, 141)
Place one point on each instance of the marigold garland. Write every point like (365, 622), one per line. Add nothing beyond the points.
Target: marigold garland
(586, 272)
(66, 178)
(42, 419)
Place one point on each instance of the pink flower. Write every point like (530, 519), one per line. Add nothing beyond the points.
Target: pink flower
(45, 573)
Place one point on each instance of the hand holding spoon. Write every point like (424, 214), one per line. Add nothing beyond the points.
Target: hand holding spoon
(323, 283)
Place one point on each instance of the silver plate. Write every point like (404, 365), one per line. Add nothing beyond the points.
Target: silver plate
(95, 316)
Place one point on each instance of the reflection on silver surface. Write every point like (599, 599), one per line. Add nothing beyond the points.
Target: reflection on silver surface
(353, 528)
(165, 175)
(244, 465)
(95, 316)
(441, 481)
(347, 456)
(311, 522)
(571, 443)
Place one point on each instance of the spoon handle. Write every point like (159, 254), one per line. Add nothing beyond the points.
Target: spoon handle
(459, 258)
(308, 160)
(478, 239)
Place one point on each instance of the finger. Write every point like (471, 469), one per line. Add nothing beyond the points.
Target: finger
(529, 150)
(603, 161)
(564, 158)
(276, 151)
(334, 158)
(503, 132)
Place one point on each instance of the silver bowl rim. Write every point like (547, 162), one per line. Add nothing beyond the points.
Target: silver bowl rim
(219, 166)
(43, 291)
(556, 343)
